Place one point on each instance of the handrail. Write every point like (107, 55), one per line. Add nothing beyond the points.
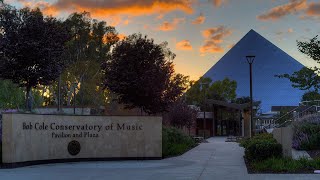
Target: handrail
(303, 102)
(268, 126)
(265, 127)
(281, 125)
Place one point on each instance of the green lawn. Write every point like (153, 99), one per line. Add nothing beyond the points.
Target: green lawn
(284, 165)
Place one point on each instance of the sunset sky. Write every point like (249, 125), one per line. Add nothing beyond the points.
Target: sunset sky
(200, 32)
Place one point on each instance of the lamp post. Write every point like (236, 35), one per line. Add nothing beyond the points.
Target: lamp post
(250, 60)
(74, 98)
(204, 109)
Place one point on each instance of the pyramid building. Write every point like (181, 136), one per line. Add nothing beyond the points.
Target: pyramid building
(269, 61)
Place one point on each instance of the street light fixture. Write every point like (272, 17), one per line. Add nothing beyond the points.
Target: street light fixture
(250, 60)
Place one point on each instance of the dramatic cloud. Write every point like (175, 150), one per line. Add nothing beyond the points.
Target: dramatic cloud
(214, 38)
(102, 8)
(280, 11)
(216, 33)
(184, 45)
(170, 26)
(211, 47)
(313, 9)
(199, 20)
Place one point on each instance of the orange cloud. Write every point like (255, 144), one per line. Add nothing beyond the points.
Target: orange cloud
(216, 33)
(280, 11)
(211, 47)
(170, 26)
(199, 20)
(214, 38)
(313, 9)
(184, 45)
(45, 6)
(103, 8)
(218, 3)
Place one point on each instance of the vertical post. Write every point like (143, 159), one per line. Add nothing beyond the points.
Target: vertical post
(204, 120)
(204, 110)
(74, 99)
(59, 94)
(251, 101)
(250, 60)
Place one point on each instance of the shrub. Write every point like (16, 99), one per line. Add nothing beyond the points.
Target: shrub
(286, 165)
(175, 142)
(264, 136)
(312, 118)
(260, 147)
(306, 136)
(263, 149)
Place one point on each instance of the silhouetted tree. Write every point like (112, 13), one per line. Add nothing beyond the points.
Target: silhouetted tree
(141, 73)
(31, 47)
(307, 78)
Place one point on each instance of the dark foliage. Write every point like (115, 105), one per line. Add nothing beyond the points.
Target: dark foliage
(141, 73)
(307, 78)
(174, 142)
(304, 79)
(261, 147)
(181, 115)
(311, 96)
(306, 136)
(31, 47)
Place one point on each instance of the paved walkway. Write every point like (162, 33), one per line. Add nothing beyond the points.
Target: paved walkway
(214, 160)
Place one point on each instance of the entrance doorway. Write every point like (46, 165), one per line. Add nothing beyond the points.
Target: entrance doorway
(227, 128)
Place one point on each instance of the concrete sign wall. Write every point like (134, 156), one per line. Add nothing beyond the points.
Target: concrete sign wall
(30, 137)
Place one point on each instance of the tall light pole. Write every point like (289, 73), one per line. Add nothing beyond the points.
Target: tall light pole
(204, 109)
(250, 60)
(74, 98)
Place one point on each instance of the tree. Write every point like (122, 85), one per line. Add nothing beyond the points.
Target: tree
(181, 115)
(141, 73)
(307, 78)
(196, 94)
(31, 48)
(310, 97)
(87, 50)
(242, 100)
(11, 96)
(224, 90)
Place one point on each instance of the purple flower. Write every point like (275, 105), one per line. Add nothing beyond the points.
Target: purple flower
(298, 139)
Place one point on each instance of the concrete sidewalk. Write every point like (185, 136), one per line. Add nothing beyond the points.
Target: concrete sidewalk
(213, 160)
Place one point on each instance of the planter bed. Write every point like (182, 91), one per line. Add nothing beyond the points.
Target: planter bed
(282, 166)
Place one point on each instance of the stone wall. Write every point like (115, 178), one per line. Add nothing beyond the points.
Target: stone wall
(31, 137)
(284, 137)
